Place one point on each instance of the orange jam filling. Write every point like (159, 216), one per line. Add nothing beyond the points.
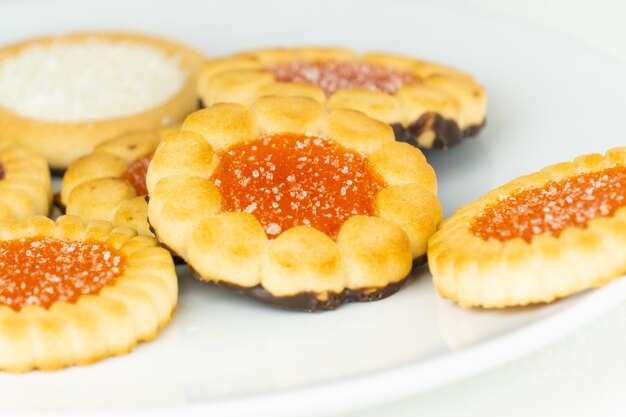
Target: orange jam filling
(332, 76)
(556, 206)
(288, 180)
(136, 173)
(42, 270)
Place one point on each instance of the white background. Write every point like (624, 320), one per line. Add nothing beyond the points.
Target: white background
(583, 374)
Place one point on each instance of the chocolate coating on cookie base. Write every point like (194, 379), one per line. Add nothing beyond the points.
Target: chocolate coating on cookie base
(57, 172)
(447, 131)
(308, 301)
(56, 201)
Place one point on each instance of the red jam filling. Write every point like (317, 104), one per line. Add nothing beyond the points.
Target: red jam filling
(288, 180)
(332, 76)
(1, 171)
(136, 173)
(558, 205)
(42, 270)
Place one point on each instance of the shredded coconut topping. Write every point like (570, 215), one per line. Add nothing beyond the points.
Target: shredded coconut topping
(87, 81)
(333, 76)
(572, 202)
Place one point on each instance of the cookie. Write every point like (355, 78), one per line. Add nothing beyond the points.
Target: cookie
(428, 105)
(25, 188)
(110, 183)
(292, 205)
(72, 293)
(541, 237)
(63, 95)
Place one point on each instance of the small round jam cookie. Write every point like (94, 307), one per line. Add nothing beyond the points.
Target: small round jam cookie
(25, 188)
(63, 95)
(541, 237)
(428, 105)
(72, 293)
(110, 183)
(292, 205)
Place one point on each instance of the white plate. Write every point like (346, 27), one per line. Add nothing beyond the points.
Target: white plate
(550, 100)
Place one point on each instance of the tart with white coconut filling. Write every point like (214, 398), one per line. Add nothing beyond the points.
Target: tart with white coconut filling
(25, 188)
(73, 293)
(299, 263)
(541, 237)
(110, 183)
(64, 95)
(428, 105)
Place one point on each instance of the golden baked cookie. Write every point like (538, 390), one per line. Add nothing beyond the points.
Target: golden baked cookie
(293, 205)
(110, 183)
(541, 237)
(63, 95)
(72, 293)
(428, 105)
(25, 187)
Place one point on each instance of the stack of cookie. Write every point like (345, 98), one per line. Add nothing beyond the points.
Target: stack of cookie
(292, 176)
(296, 185)
(82, 288)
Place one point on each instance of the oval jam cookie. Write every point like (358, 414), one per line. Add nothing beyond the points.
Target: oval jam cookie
(25, 188)
(291, 205)
(64, 95)
(428, 105)
(541, 237)
(73, 293)
(110, 183)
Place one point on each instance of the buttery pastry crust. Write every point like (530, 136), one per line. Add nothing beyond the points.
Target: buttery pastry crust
(442, 108)
(232, 249)
(112, 322)
(493, 273)
(25, 189)
(93, 187)
(61, 143)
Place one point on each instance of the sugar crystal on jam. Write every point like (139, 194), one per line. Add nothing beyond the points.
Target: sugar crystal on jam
(332, 76)
(287, 180)
(556, 206)
(42, 270)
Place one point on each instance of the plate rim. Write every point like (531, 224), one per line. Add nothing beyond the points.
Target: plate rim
(500, 349)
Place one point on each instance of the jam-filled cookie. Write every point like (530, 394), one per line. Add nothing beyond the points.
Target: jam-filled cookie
(25, 187)
(72, 293)
(428, 105)
(541, 237)
(291, 205)
(64, 95)
(110, 183)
